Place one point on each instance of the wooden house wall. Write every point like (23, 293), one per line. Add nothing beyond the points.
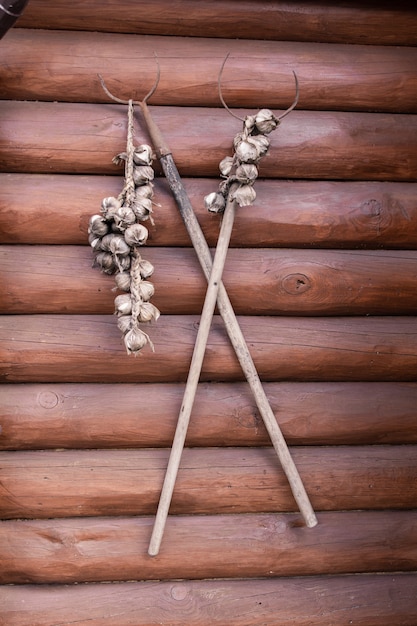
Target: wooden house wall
(322, 273)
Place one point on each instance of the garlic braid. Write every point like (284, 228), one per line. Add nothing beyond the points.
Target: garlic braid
(116, 235)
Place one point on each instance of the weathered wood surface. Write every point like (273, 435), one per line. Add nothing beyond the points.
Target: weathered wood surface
(47, 137)
(366, 600)
(352, 162)
(55, 209)
(367, 22)
(47, 279)
(41, 142)
(119, 416)
(258, 73)
(75, 483)
(208, 546)
(64, 348)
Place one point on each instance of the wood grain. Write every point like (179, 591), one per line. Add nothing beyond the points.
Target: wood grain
(368, 600)
(64, 348)
(210, 481)
(55, 209)
(257, 74)
(47, 137)
(47, 279)
(367, 22)
(122, 416)
(209, 546)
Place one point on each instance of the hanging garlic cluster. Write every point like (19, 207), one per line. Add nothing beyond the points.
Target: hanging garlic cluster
(116, 235)
(241, 170)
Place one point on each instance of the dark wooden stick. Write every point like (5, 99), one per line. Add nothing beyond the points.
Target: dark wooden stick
(232, 326)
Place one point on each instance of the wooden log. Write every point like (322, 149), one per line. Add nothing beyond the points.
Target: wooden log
(47, 279)
(377, 600)
(209, 546)
(64, 348)
(119, 416)
(47, 137)
(86, 483)
(55, 209)
(258, 73)
(366, 22)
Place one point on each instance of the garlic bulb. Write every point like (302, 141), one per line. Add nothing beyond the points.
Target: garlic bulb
(266, 121)
(146, 268)
(123, 263)
(115, 244)
(246, 173)
(247, 152)
(98, 226)
(136, 235)
(225, 165)
(124, 217)
(146, 290)
(124, 323)
(135, 339)
(106, 262)
(110, 203)
(142, 208)
(249, 123)
(143, 155)
(109, 207)
(144, 191)
(122, 281)
(94, 241)
(123, 304)
(142, 175)
(148, 312)
(244, 195)
(260, 142)
(215, 202)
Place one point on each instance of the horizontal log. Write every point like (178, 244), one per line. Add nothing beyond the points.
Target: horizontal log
(258, 73)
(380, 600)
(55, 209)
(64, 348)
(86, 483)
(119, 416)
(47, 279)
(47, 137)
(210, 546)
(366, 22)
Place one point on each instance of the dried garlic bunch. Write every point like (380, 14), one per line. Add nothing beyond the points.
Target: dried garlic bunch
(116, 235)
(250, 146)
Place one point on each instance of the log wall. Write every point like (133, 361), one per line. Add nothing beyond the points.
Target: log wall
(322, 273)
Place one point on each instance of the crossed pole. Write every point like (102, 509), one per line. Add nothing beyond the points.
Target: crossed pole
(216, 293)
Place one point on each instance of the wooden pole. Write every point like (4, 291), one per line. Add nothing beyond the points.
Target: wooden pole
(230, 320)
(193, 376)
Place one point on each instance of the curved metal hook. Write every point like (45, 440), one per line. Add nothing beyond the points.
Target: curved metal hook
(156, 83)
(294, 104)
(138, 102)
(219, 84)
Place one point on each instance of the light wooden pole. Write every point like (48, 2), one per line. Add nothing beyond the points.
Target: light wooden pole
(193, 376)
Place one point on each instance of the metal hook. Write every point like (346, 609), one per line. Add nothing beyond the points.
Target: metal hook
(138, 102)
(297, 95)
(219, 84)
(294, 104)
